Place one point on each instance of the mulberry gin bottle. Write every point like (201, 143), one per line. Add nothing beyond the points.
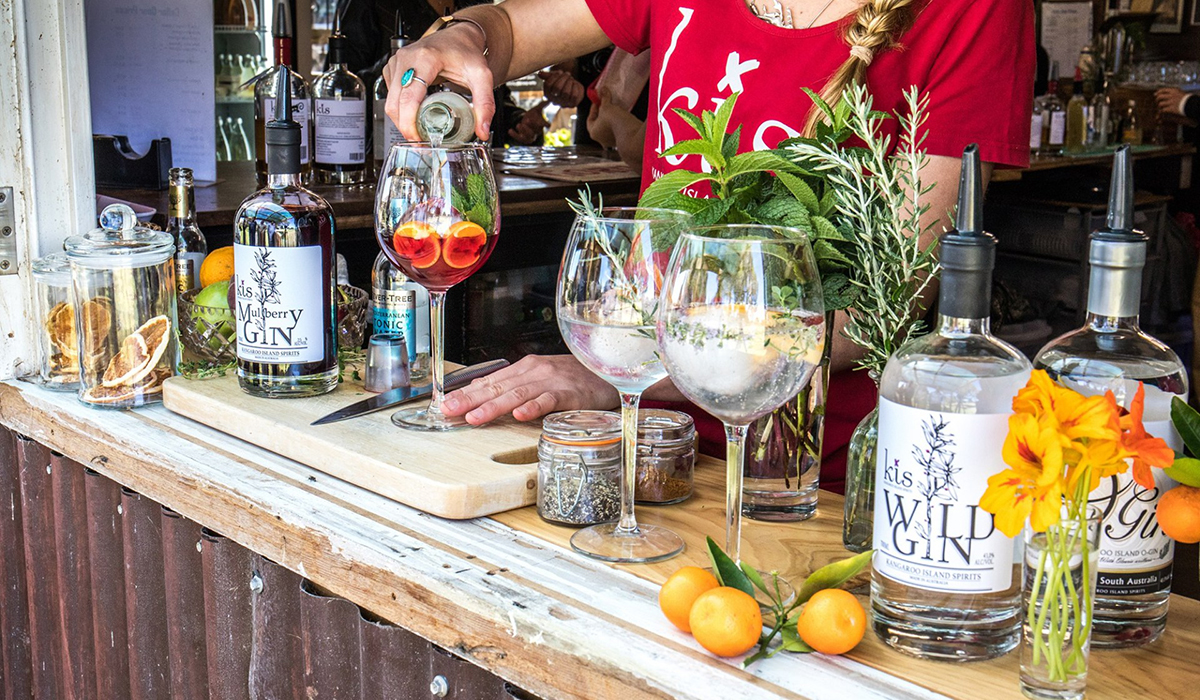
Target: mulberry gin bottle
(284, 273)
(945, 583)
(1111, 353)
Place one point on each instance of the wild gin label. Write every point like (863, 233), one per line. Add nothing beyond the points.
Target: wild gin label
(280, 302)
(931, 470)
(1135, 556)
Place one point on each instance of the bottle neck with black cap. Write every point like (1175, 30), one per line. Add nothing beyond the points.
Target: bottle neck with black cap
(968, 255)
(283, 139)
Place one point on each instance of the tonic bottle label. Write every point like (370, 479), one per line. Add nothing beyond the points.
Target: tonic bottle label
(931, 470)
(1135, 556)
(187, 271)
(396, 312)
(282, 301)
(341, 131)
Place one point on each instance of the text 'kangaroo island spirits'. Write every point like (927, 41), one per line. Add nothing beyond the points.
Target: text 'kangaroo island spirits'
(1111, 353)
(285, 274)
(945, 583)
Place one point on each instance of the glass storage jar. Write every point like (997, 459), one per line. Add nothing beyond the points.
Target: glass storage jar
(123, 290)
(579, 468)
(58, 349)
(666, 454)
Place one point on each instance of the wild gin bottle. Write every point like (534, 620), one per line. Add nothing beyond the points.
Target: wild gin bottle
(284, 274)
(1110, 353)
(265, 93)
(945, 583)
(340, 118)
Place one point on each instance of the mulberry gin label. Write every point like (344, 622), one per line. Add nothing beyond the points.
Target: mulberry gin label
(279, 303)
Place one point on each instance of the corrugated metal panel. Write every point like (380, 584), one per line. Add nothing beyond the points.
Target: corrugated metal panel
(155, 607)
(74, 579)
(41, 569)
(14, 615)
(184, 583)
(106, 552)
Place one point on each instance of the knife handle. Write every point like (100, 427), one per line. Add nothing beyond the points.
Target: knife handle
(466, 375)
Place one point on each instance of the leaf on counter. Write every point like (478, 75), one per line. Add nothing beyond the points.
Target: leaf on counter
(792, 641)
(754, 576)
(1187, 422)
(1185, 470)
(726, 571)
(833, 575)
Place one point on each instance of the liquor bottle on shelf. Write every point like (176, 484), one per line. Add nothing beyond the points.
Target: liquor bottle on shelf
(445, 117)
(397, 304)
(1089, 96)
(339, 118)
(1101, 118)
(190, 246)
(1077, 106)
(1054, 117)
(385, 134)
(945, 583)
(298, 90)
(1111, 353)
(223, 151)
(285, 273)
(1035, 128)
(1131, 127)
(243, 141)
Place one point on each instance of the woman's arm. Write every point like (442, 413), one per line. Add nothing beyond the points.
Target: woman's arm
(521, 37)
(945, 171)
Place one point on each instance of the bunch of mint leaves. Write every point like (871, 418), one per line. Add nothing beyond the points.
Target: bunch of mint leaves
(474, 201)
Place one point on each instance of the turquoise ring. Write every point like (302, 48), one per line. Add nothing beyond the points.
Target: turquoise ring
(409, 76)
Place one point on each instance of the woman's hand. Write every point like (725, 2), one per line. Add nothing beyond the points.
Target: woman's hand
(454, 54)
(531, 388)
(1169, 100)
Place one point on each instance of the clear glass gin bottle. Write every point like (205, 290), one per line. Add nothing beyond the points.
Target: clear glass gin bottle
(1111, 353)
(265, 93)
(190, 245)
(946, 583)
(385, 134)
(339, 119)
(285, 274)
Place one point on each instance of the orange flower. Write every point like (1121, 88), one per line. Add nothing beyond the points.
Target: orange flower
(1147, 450)
(1032, 488)
(1036, 397)
(1078, 417)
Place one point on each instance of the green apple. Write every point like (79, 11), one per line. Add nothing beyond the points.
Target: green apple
(212, 308)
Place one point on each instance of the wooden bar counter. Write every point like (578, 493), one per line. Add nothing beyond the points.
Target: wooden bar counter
(507, 594)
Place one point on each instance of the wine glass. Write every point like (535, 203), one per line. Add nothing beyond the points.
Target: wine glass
(608, 289)
(741, 327)
(436, 217)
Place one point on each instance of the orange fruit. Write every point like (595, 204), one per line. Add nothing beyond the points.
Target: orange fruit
(217, 266)
(681, 590)
(1179, 514)
(418, 242)
(726, 621)
(464, 244)
(832, 622)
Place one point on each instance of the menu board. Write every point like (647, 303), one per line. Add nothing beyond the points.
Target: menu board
(1066, 30)
(150, 67)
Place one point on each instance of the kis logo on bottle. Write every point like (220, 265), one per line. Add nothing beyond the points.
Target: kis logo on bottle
(261, 323)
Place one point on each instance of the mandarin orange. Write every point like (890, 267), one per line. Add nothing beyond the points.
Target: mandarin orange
(832, 621)
(726, 621)
(680, 591)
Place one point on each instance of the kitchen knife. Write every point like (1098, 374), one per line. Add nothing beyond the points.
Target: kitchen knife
(405, 394)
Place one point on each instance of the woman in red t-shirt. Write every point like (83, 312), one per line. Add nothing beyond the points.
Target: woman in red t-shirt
(974, 58)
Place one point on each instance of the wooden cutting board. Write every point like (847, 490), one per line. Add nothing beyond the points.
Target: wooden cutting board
(462, 474)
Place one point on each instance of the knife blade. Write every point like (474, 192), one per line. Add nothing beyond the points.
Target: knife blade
(405, 394)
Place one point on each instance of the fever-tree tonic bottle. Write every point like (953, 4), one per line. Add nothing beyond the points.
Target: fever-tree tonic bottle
(284, 274)
(190, 246)
(1111, 353)
(946, 583)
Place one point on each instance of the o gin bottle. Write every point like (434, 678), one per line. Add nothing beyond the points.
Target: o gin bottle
(285, 273)
(1110, 353)
(946, 584)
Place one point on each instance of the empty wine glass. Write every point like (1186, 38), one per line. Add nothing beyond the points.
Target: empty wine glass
(608, 290)
(741, 327)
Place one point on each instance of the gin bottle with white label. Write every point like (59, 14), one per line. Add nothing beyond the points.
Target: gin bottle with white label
(285, 274)
(264, 98)
(339, 118)
(1111, 353)
(385, 134)
(946, 583)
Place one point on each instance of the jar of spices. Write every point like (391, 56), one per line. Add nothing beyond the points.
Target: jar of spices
(666, 455)
(58, 347)
(579, 468)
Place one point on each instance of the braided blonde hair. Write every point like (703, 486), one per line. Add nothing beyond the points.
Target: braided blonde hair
(877, 27)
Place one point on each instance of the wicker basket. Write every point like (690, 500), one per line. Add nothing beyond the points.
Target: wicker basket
(351, 316)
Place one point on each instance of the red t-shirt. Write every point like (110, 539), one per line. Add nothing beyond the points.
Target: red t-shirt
(975, 59)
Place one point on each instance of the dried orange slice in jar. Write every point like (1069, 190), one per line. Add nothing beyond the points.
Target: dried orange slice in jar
(139, 353)
(95, 325)
(464, 244)
(60, 327)
(417, 242)
(110, 396)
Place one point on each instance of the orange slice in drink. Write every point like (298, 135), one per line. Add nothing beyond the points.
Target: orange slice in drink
(417, 242)
(464, 244)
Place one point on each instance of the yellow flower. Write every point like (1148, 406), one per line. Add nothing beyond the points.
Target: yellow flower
(1032, 487)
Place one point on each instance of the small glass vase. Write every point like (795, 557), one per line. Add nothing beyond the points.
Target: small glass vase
(859, 518)
(782, 460)
(1058, 575)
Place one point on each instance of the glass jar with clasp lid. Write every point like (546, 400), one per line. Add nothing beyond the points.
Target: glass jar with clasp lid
(579, 468)
(666, 455)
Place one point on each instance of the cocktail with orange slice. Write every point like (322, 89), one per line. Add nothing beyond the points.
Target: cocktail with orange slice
(436, 217)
